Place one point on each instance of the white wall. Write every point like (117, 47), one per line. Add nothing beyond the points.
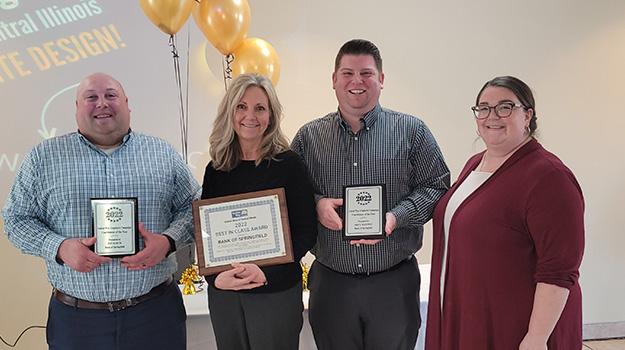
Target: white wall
(436, 57)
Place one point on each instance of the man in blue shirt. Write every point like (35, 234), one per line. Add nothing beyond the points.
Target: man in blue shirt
(101, 302)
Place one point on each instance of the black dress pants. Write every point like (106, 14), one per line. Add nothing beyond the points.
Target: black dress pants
(256, 321)
(355, 312)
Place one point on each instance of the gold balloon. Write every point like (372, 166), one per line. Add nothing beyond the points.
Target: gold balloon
(223, 22)
(256, 55)
(167, 15)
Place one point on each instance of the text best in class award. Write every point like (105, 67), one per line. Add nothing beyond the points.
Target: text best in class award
(249, 227)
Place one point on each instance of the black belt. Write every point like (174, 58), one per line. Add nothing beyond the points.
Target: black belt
(112, 305)
(368, 274)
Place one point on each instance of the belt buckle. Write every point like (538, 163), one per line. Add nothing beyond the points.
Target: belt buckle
(119, 305)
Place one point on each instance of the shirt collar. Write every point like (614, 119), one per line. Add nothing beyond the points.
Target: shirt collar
(125, 140)
(368, 119)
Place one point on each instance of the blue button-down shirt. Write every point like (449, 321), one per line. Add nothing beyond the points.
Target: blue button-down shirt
(50, 202)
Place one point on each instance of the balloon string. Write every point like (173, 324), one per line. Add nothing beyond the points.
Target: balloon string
(183, 119)
(186, 116)
(228, 59)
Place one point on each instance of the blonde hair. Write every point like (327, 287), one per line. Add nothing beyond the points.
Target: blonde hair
(225, 150)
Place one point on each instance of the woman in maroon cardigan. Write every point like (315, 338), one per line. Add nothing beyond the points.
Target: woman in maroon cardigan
(508, 239)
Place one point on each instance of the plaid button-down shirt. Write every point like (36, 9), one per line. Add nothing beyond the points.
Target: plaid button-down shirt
(50, 201)
(391, 148)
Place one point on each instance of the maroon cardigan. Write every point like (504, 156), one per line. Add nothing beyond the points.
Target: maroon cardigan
(522, 226)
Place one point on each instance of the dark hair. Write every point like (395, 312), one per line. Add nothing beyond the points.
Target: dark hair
(359, 47)
(520, 90)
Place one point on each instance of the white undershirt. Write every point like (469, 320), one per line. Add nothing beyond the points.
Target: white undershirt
(468, 186)
(110, 151)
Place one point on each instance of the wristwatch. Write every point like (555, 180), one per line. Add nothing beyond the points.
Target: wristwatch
(172, 245)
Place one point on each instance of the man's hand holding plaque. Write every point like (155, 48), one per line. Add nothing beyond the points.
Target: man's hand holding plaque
(327, 213)
(154, 251)
(389, 226)
(78, 254)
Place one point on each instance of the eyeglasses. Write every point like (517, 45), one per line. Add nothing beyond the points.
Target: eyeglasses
(502, 110)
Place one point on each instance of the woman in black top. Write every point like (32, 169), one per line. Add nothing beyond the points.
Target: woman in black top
(253, 307)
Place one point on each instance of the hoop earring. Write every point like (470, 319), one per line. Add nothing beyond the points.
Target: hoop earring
(528, 131)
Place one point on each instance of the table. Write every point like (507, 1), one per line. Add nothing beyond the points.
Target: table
(197, 310)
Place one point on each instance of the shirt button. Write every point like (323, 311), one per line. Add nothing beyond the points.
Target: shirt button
(367, 128)
(357, 244)
(355, 164)
(359, 265)
(356, 138)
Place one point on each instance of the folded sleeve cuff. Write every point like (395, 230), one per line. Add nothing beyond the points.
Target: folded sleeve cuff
(561, 280)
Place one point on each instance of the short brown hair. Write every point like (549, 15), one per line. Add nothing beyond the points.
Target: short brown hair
(359, 47)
